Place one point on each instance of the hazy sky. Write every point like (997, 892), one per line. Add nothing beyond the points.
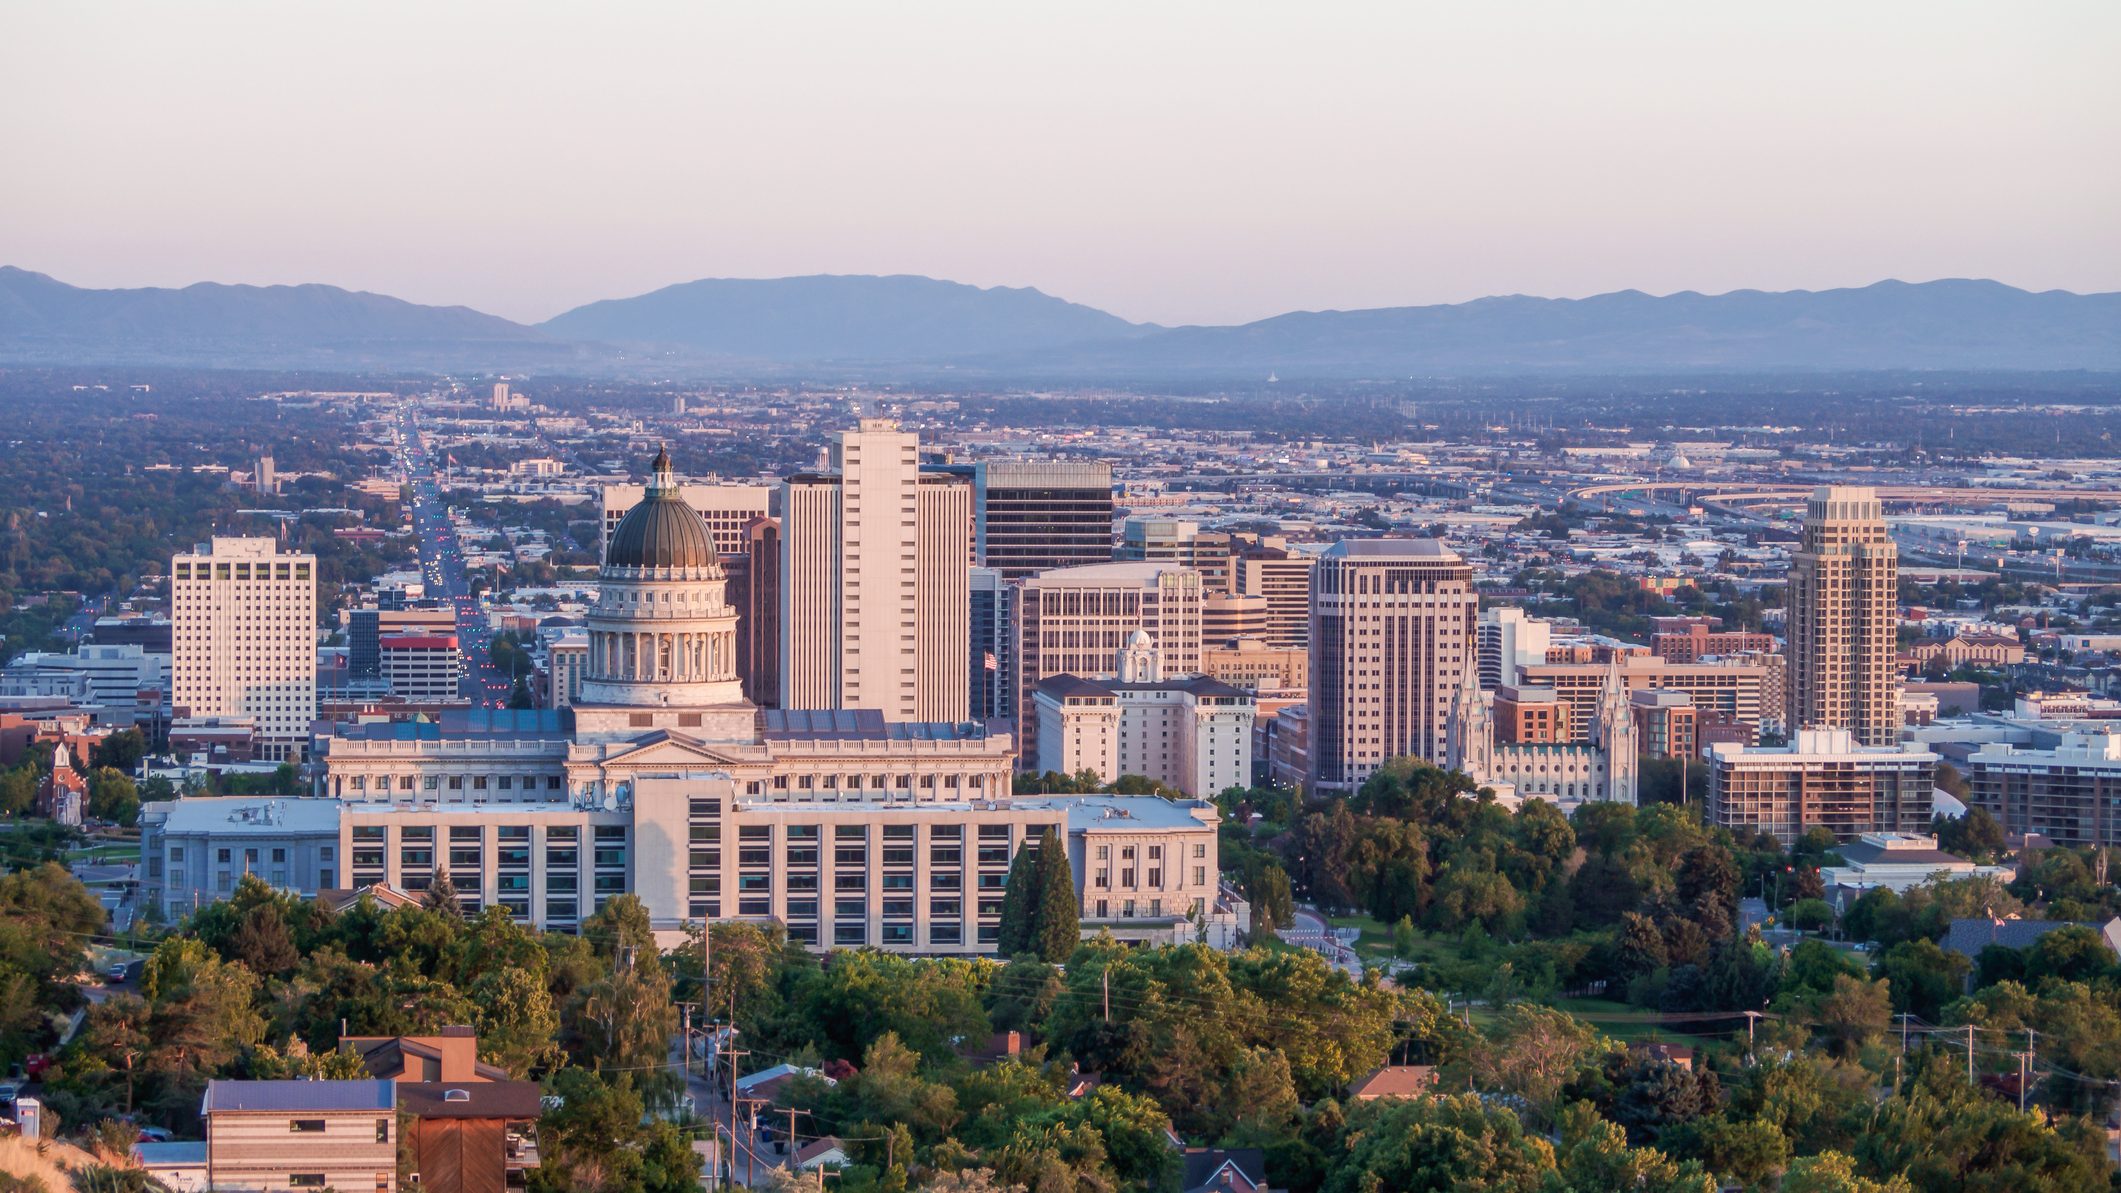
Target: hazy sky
(1167, 161)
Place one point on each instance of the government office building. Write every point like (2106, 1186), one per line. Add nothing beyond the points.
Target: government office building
(662, 781)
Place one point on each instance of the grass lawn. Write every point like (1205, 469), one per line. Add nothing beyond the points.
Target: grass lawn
(1632, 1024)
(1375, 943)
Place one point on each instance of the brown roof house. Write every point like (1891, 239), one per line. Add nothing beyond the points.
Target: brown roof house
(470, 1129)
(1394, 1081)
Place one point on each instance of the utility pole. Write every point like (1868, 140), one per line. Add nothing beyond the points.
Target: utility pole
(706, 981)
(1969, 1054)
(729, 1169)
(1107, 976)
(2025, 1063)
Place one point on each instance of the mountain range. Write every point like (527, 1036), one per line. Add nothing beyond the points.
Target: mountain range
(915, 326)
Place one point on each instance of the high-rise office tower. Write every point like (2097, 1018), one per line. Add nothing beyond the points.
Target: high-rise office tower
(755, 593)
(1177, 540)
(1030, 516)
(1391, 635)
(244, 634)
(1844, 619)
(992, 654)
(1266, 567)
(875, 581)
(1075, 621)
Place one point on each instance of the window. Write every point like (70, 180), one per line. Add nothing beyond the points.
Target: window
(305, 1180)
(306, 1126)
(382, 1130)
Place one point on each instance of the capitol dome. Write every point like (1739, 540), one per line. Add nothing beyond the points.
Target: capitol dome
(661, 532)
(661, 634)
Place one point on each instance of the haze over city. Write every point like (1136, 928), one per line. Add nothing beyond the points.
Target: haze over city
(1181, 163)
(1038, 598)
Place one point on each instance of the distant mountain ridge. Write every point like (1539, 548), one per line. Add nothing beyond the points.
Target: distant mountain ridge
(43, 319)
(913, 326)
(841, 317)
(1948, 324)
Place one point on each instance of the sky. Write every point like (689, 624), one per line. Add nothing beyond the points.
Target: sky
(1169, 161)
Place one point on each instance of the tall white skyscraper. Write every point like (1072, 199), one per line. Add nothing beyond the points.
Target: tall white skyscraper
(876, 593)
(244, 639)
(1510, 639)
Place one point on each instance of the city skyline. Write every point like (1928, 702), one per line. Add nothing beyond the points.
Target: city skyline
(1276, 161)
(961, 598)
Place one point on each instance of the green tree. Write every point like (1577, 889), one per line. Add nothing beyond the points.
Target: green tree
(1809, 915)
(263, 943)
(1020, 904)
(1058, 926)
(1923, 977)
(1439, 1144)
(1853, 1014)
(113, 797)
(1273, 903)
(1404, 938)
(1976, 836)
(120, 751)
(515, 1020)
(18, 788)
(1594, 1154)
(1533, 1052)
(1835, 1172)
(441, 895)
(1945, 1135)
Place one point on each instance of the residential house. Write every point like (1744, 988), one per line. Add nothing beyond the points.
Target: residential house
(1394, 1081)
(274, 1135)
(471, 1129)
(1223, 1170)
(827, 1152)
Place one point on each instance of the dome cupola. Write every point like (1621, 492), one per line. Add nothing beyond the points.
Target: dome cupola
(661, 532)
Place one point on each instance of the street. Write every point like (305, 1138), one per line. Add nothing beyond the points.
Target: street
(442, 563)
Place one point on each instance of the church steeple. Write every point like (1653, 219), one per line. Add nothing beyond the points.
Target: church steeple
(1614, 736)
(1469, 731)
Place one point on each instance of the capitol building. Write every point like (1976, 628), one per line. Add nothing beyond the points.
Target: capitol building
(663, 781)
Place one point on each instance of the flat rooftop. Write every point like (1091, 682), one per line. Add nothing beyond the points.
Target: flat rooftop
(466, 724)
(300, 1095)
(260, 816)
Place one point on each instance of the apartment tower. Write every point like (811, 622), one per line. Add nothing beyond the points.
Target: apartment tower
(244, 640)
(875, 581)
(1843, 618)
(1391, 635)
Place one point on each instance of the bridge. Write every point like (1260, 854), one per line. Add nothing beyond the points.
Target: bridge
(1770, 494)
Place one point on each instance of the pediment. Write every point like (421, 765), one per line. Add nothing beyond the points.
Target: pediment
(664, 748)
